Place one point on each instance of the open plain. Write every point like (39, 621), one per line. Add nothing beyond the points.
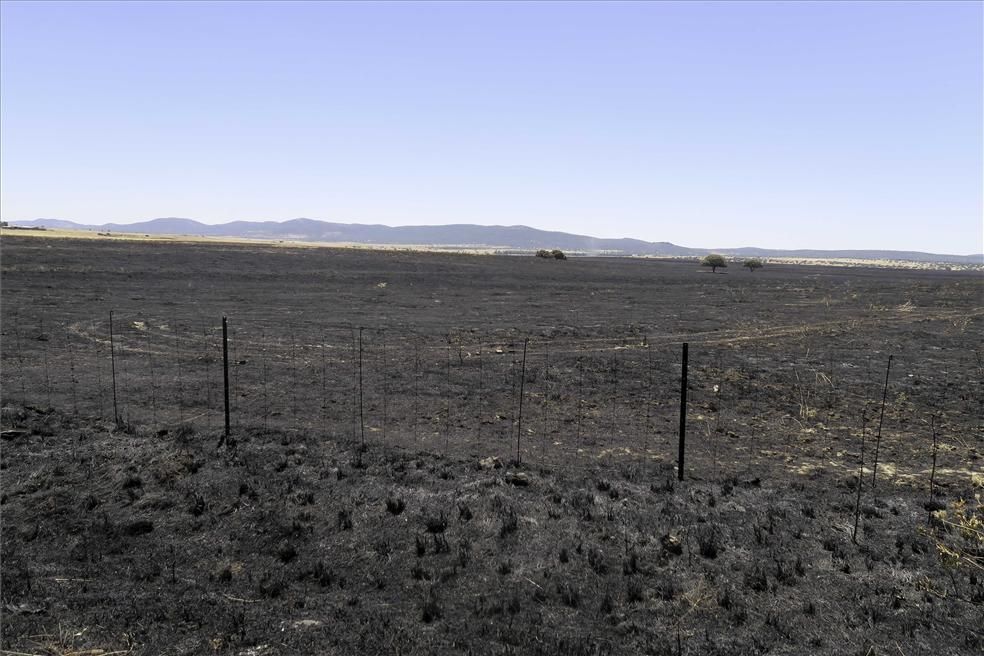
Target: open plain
(448, 453)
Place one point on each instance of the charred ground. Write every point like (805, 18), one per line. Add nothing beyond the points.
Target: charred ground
(146, 537)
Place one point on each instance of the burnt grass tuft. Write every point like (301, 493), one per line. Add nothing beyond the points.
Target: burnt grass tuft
(395, 505)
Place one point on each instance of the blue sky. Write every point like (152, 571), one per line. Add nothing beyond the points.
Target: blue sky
(788, 125)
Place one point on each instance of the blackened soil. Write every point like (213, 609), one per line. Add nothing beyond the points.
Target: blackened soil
(143, 536)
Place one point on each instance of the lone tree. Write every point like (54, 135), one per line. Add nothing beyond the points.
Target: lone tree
(752, 264)
(714, 261)
(555, 254)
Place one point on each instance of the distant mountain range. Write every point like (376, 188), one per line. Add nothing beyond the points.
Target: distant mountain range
(467, 235)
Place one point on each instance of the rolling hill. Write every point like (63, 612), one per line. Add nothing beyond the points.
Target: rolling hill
(468, 235)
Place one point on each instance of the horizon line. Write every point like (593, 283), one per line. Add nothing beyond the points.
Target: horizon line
(483, 225)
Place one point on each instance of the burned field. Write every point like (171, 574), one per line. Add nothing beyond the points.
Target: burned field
(397, 480)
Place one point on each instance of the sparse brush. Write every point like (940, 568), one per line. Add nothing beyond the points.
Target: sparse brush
(757, 579)
(464, 553)
(597, 562)
(784, 572)
(345, 520)
(665, 487)
(510, 523)
(436, 523)
(630, 565)
(432, 609)
(569, 594)
(286, 553)
(666, 588)
(441, 544)
(322, 574)
(708, 541)
(196, 505)
(582, 502)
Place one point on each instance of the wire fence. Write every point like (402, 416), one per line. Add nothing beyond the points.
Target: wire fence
(558, 398)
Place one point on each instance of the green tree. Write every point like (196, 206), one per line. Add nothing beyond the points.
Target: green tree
(558, 254)
(714, 261)
(752, 264)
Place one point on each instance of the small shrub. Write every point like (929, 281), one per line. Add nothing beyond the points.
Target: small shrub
(395, 505)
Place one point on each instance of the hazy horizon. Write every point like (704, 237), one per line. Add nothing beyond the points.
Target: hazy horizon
(775, 125)
(704, 246)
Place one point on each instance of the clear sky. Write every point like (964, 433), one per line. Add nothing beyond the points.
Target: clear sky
(786, 125)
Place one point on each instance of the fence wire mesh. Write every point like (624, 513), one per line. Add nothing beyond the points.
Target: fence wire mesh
(587, 400)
